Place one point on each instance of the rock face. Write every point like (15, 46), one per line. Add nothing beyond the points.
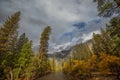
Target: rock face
(65, 53)
(61, 54)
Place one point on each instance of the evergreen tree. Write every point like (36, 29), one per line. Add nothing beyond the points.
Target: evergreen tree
(44, 43)
(113, 28)
(8, 33)
(20, 42)
(107, 8)
(98, 46)
(8, 36)
(24, 59)
(44, 49)
(107, 41)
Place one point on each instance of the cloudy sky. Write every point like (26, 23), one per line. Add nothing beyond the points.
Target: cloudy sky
(72, 21)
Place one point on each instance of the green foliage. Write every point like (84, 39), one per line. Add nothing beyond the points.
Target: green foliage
(113, 28)
(102, 43)
(25, 54)
(107, 8)
(44, 43)
(8, 36)
(24, 59)
(17, 61)
(20, 42)
(44, 49)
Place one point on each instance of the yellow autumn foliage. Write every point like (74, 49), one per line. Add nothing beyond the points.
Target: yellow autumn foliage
(81, 67)
(108, 63)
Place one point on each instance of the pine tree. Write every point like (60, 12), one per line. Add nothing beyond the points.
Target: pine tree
(97, 44)
(107, 41)
(8, 33)
(113, 29)
(44, 43)
(20, 42)
(8, 36)
(24, 59)
(25, 53)
(44, 49)
(107, 8)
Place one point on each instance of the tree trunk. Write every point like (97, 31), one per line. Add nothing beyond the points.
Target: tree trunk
(11, 74)
(27, 78)
(18, 72)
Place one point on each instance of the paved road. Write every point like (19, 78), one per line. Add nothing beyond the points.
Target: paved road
(54, 76)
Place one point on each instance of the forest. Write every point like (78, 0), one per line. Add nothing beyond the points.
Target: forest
(99, 59)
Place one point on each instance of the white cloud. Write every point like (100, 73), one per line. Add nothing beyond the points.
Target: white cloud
(60, 14)
(63, 46)
(89, 36)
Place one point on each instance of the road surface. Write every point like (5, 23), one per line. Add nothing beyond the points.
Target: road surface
(54, 76)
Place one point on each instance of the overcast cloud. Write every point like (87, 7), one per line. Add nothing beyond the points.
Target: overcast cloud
(71, 20)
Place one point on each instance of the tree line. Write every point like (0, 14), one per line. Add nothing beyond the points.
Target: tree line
(17, 59)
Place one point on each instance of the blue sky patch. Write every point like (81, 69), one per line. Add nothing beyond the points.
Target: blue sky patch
(80, 25)
(69, 35)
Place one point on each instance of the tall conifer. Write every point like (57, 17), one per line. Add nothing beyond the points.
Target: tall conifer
(44, 43)
(8, 36)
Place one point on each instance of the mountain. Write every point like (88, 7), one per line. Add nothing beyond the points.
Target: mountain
(66, 52)
(62, 54)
